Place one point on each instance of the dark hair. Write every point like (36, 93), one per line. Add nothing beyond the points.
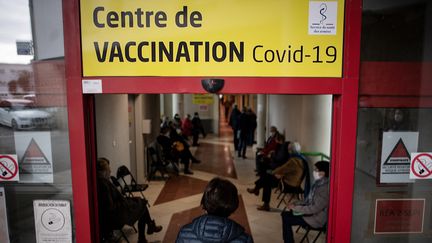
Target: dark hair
(280, 137)
(324, 166)
(220, 198)
(100, 163)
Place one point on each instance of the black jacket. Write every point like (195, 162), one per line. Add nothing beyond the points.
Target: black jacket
(213, 229)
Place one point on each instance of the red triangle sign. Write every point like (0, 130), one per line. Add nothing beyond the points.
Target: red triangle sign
(34, 154)
(399, 154)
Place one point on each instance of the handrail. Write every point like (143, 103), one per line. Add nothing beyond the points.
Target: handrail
(322, 155)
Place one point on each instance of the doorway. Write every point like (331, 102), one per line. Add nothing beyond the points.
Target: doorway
(306, 119)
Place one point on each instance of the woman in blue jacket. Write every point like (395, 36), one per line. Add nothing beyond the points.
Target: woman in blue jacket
(220, 200)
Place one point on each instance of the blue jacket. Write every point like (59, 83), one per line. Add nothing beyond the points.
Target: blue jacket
(209, 228)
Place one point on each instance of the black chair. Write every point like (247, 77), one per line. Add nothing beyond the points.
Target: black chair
(155, 164)
(128, 189)
(308, 229)
(107, 234)
(284, 190)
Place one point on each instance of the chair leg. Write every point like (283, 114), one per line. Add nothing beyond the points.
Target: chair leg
(135, 229)
(298, 229)
(305, 236)
(124, 236)
(316, 238)
(280, 194)
(282, 199)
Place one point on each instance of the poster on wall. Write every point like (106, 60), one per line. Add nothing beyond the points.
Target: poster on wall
(34, 156)
(52, 221)
(9, 170)
(395, 156)
(4, 231)
(202, 99)
(399, 216)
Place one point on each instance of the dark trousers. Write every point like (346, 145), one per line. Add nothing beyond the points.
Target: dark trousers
(195, 137)
(143, 220)
(236, 140)
(242, 146)
(289, 220)
(266, 182)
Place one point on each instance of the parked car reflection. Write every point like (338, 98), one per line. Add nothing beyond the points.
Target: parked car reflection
(21, 114)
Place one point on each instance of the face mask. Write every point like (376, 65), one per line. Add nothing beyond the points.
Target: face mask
(316, 175)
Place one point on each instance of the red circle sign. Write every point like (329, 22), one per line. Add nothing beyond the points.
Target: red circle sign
(8, 167)
(422, 165)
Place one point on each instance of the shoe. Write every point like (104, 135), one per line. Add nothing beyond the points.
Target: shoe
(244, 156)
(264, 207)
(253, 191)
(188, 172)
(153, 228)
(196, 161)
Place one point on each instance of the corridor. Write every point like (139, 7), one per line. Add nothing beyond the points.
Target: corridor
(176, 201)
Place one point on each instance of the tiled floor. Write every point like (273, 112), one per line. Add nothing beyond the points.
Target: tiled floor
(177, 201)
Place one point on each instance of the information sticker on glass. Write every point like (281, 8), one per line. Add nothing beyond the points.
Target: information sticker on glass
(52, 221)
(34, 152)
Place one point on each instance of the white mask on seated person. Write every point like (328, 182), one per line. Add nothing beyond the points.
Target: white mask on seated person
(317, 175)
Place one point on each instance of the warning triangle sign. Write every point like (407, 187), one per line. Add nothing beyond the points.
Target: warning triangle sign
(399, 155)
(34, 155)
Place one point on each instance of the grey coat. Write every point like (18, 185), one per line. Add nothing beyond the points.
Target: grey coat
(314, 208)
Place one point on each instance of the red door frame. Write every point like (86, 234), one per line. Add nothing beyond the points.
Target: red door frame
(345, 91)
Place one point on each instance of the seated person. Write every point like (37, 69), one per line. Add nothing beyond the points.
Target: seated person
(270, 144)
(312, 211)
(292, 173)
(219, 200)
(175, 147)
(275, 158)
(116, 210)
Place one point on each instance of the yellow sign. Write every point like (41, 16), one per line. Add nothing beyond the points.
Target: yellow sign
(202, 99)
(278, 38)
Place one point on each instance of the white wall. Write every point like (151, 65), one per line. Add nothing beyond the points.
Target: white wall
(285, 112)
(212, 112)
(306, 119)
(112, 129)
(316, 125)
(47, 32)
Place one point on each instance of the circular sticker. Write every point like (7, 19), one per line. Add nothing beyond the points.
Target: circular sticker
(8, 167)
(422, 165)
(53, 220)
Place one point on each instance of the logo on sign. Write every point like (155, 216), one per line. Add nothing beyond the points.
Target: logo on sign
(8, 168)
(34, 160)
(421, 166)
(398, 160)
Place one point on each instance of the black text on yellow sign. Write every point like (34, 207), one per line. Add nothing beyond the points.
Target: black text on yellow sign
(123, 38)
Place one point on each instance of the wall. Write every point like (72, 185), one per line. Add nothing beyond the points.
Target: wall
(302, 118)
(210, 117)
(146, 108)
(47, 38)
(112, 129)
(316, 123)
(285, 113)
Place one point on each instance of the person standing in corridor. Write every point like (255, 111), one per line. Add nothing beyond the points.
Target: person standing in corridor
(197, 128)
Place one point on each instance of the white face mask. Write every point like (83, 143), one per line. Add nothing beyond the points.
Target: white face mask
(316, 175)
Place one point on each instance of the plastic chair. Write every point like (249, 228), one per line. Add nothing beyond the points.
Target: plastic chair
(128, 189)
